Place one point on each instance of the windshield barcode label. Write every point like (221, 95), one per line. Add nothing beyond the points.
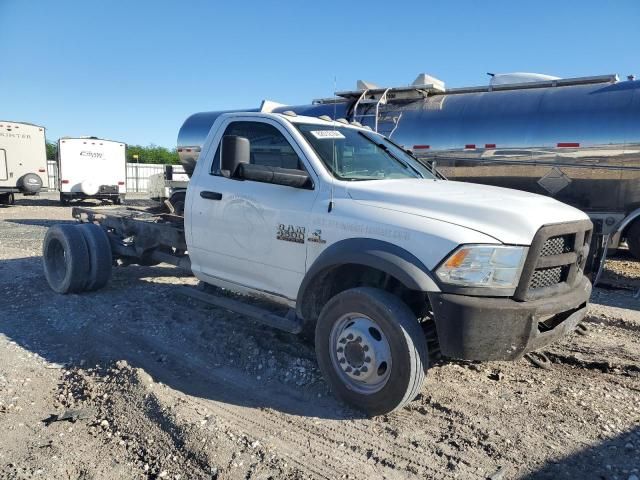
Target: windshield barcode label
(322, 134)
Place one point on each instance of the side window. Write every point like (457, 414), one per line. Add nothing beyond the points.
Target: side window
(268, 146)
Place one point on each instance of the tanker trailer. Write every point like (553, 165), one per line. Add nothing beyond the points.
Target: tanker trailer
(574, 139)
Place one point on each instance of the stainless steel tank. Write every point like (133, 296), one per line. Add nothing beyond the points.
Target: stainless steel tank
(577, 140)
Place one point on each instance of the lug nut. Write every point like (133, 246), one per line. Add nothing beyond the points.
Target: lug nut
(342, 360)
(340, 350)
(358, 339)
(343, 340)
(366, 348)
(357, 373)
(350, 336)
(364, 369)
(348, 369)
(367, 359)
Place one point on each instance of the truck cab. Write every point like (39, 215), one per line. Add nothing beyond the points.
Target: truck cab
(312, 213)
(382, 263)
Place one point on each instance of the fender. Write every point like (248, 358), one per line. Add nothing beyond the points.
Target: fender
(369, 252)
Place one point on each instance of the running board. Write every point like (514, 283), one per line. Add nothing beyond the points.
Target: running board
(288, 323)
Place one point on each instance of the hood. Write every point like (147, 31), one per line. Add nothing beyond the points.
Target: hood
(509, 216)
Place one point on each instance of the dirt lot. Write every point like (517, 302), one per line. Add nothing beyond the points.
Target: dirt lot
(160, 387)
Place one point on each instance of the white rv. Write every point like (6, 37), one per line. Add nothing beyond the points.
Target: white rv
(23, 160)
(91, 167)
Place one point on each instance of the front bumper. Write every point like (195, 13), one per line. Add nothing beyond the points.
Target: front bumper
(482, 328)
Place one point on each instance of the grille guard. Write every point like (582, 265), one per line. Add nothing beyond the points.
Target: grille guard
(575, 259)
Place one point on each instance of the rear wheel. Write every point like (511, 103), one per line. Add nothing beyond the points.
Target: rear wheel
(66, 259)
(633, 239)
(100, 261)
(177, 200)
(371, 350)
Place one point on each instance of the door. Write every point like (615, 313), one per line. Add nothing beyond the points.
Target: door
(4, 172)
(247, 232)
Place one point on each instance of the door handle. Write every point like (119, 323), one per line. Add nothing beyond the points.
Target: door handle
(210, 195)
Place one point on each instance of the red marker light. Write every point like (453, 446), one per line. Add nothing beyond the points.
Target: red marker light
(568, 145)
(470, 146)
(41, 170)
(120, 183)
(421, 147)
(489, 145)
(65, 181)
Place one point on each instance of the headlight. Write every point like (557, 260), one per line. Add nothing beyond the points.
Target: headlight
(483, 266)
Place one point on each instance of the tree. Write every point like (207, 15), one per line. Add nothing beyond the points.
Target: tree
(152, 154)
(149, 154)
(52, 150)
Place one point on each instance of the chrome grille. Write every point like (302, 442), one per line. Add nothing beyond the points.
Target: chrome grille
(557, 245)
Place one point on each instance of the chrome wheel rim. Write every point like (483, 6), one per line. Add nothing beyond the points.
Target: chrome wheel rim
(360, 353)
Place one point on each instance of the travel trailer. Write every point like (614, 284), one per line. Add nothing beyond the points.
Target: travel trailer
(23, 160)
(90, 167)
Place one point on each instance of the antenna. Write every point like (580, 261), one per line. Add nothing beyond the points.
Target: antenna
(334, 162)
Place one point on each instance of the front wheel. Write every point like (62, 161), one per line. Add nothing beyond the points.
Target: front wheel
(371, 350)
(633, 238)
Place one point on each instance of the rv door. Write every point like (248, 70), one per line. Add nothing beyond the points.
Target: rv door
(4, 171)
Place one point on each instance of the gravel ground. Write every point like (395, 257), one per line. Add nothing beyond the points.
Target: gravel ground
(135, 381)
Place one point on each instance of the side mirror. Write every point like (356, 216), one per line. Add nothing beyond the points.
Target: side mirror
(235, 151)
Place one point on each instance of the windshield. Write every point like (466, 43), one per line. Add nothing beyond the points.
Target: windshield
(351, 154)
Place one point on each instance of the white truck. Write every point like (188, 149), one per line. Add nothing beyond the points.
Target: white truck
(355, 244)
(23, 160)
(91, 167)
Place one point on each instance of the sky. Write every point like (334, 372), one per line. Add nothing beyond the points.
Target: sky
(133, 71)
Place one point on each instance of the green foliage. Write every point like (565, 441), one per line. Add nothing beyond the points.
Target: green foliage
(151, 154)
(52, 150)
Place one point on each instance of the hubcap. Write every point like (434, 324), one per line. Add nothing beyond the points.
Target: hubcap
(360, 353)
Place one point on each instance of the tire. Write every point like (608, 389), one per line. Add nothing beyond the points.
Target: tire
(100, 260)
(391, 341)
(7, 199)
(177, 199)
(633, 239)
(30, 183)
(66, 259)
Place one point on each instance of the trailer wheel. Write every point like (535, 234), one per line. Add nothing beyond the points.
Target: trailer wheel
(633, 239)
(66, 259)
(371, 350)
(100, 261)
(7, 199)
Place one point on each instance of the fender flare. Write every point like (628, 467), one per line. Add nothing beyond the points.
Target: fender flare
(378, 254)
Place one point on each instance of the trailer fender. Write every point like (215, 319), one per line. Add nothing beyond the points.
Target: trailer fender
(377, 254)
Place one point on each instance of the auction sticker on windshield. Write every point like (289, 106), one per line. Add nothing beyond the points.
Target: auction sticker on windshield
(324, 134)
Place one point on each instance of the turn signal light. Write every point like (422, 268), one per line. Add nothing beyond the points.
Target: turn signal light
(456, 259)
